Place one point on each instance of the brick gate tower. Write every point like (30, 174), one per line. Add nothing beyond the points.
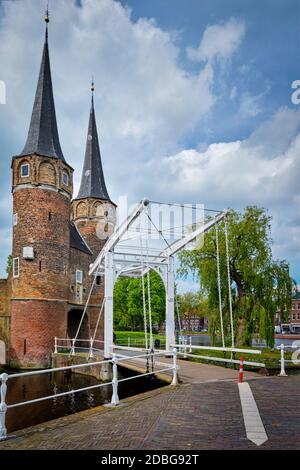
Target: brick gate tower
(55, 240)
(42, 192)
(93, 212)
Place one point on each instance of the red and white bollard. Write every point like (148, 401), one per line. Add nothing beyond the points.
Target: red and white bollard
(241, 373)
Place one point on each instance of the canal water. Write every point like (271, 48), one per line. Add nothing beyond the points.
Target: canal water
(30, 387)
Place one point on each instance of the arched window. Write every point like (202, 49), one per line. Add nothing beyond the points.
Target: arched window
(47, 173)
(65, 178)
(98, 209)
(81, 210)
(25, 170)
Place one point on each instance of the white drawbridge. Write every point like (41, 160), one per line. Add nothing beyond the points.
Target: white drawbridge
(149, 239)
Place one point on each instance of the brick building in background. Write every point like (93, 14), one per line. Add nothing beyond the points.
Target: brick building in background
(55, 238)
(295, 314)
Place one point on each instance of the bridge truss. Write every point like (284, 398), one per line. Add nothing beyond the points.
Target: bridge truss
(149, 238)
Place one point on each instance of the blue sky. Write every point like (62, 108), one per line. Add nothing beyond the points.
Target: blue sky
(193, 100)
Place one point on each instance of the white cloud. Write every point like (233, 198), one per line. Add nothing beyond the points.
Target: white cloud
(219, 41)
(240, 173)
(146, 103)
(252, 105)
(233, 93)
(143, 97)
(242, 169)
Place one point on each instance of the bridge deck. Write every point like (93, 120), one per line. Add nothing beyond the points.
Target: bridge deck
(190, 372)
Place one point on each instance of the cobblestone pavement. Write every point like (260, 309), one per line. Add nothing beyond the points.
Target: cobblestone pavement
(189, 416)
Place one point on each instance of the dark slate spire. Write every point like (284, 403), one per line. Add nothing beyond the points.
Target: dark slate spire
(43, 134)
(92, 179)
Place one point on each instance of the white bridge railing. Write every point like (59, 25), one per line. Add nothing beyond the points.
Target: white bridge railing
(73, 345)
(115, 360)
(184, 347)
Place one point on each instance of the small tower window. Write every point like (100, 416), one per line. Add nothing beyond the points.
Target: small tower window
(65, 178)
(110, 212)
(25, 170)
(98, 280)
(78, 276)
(15, 219)
(49, 216)
(16, 267)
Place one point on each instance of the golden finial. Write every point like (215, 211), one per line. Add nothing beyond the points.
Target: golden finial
(47, 15)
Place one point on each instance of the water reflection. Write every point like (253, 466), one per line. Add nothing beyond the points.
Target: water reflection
(28, 388)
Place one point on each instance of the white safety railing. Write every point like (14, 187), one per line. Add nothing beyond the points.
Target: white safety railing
(115, 360)
(283, 360)
(184, 346)
(136, 342)
(72, 345)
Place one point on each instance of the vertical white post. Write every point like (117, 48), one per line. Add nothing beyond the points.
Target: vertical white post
(190, 350)
(55, 345)
(108, 309)
(170, 321)
(115, 397)
(73, 347)
(185, 347)
(175, 378)
(3, 406)
(282, 369)
(91, 354)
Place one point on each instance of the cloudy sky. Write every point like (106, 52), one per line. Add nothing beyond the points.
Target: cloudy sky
(193, 100)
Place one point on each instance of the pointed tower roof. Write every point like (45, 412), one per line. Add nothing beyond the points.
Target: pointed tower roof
(43, 136)
(92, 179)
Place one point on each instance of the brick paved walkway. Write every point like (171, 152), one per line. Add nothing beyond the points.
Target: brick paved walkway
(191, 416)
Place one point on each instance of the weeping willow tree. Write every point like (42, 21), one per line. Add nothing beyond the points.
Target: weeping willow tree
(259, 284)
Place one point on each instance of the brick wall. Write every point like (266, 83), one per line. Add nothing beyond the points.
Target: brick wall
(5, 292)
(40, 292)
(43, 223)
(93, 222)
(81, 260)
(4, 297)
(34, 324)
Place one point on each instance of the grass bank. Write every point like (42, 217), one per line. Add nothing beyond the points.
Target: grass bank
(268, 356)
(136, 338)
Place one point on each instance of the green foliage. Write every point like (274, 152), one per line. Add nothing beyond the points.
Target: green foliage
(192, 304)
(128, 302)
(260, 284)
(9, 264)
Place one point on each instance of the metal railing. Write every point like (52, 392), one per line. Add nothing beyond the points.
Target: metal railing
(136, 342)
(70, 344)
(283, 360)
(115, 360)
(183, 347)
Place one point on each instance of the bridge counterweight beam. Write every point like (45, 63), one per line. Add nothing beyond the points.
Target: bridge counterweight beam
(170, 293)
(108, 308)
